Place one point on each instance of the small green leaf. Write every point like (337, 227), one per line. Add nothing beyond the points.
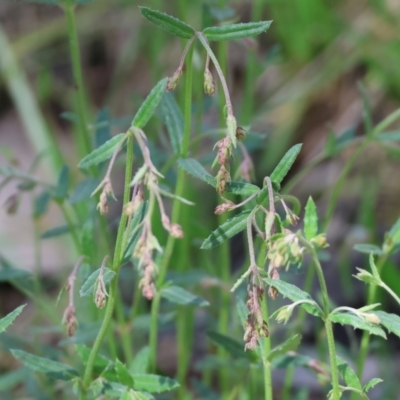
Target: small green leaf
(348, 375)
(123, 374)
(174, 120)
(100, 361)
(372, 265)
(293, 293)
(236, 31)
(44, 365)
(372, 383)
(178, 295)
(228, 229)
(55, 232)
(170, 24)
(154, 383)
(9, 318)
(150, 104)
(388, 137)
(242, 310)
(240, 280)
(285, 164)
(83, 190)
(368, 249)
(232, 346)
(390, 321)
(393, 236)
(41, 204)
(357, 322)
(60, 192)
(140, 363)
(88, 287)
(289, 345)
(194, 168)
(102, 153)
(310, 220)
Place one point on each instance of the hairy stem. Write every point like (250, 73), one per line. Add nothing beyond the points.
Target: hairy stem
(176, 210)
(87, 377)
(327, 321)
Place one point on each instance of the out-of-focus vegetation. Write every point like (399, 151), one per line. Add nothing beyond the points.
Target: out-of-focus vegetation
(73, 77)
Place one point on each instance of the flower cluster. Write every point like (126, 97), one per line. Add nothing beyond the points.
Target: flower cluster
(255, 327)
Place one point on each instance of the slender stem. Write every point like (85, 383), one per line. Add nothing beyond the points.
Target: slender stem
(115, 266)
(176, 210)
(77, 73)
(327, 321)
(365, 337)
(220, 73)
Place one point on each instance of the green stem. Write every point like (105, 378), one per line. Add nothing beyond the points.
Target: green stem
(365, 337)
(176, 210)
(268, 393)
(115, 266)
(327, 321)
(77, 73)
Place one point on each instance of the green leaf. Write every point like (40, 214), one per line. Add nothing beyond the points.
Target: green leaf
(241, 188)
(134, 231)
(154, 383)
(8, 274)
(393, 236)
(348, 375)
(9, 318)
(285, 164)
(100, 362)
(372, 383)
(102, 153)
(368, 249)
(140, 363)
(357, 322)
(170, 24)
(289, 345)
(194, 168)
(83, 190)
(60, 192)
(123, 374)
(388, 137)
(41, 204)
(228, 229)
(236, 31)
(310, 220)
(58, 231)
(51, 368)
(88, 287)
(150, 104)
(178, 295)
(174, 120)
(390, 321)
(293, 293)
(232, 346)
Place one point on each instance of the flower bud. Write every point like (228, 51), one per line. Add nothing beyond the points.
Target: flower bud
(176, 231)
(372, 318)
(102, 206)
(320, 241)
(69, 320)
(221, 208)
(240, 133)
(173, 80)
(209, 84)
